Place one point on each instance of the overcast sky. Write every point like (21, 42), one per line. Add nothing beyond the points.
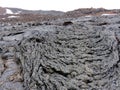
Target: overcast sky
(62, 5)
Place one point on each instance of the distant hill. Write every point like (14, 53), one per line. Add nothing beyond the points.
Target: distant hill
(16, 14)
(90, 11)
(2, 11)
(22, 11)
(8, 10)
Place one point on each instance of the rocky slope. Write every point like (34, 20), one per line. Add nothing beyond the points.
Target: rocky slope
(65, 54)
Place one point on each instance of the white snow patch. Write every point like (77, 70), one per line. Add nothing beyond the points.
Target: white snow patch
(108, 14)
(18, 12)
(3, 18)
(13, 16)
(8, 11)
(88, 16)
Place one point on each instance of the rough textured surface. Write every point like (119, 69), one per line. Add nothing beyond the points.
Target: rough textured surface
(10, 71)
(65, 54)
(80, 56)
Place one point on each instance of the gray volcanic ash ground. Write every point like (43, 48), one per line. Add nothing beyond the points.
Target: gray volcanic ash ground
(77, 50)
